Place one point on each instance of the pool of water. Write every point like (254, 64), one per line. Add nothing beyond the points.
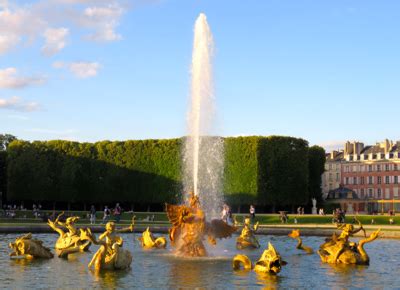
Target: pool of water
(161, 269)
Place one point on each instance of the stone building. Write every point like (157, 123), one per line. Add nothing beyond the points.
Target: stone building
(331, 178)
(373, 173)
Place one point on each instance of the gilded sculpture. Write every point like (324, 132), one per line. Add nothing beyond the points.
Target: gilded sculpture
(25, 247)
(295, 234)
(70, 241)
(340, 250)
(269, 262)
(149, 241)
(110, 255)
(247, 238)
(189, 228)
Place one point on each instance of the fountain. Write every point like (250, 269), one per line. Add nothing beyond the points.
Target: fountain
(203, 159)
(203, 156)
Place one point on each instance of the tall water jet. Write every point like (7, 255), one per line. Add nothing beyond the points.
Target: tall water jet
(204, 152)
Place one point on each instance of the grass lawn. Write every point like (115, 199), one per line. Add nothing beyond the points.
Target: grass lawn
(26, 217)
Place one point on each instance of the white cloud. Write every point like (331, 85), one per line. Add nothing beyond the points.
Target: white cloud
(24, 23)
(7, 42)
(55, 40)
(103, 20)
(15, 103)
(10, 80)
(17, 24)
(84, 69)
(80, 69)
(333, 145)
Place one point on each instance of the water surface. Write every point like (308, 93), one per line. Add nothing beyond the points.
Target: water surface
(160, 269)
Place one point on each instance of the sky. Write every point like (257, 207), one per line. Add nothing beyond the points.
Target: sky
(91, 70)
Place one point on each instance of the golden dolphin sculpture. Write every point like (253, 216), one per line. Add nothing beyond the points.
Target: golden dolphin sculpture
(295, 234)
(149, 241)
(247, 238)
(269, 262)
(189, 228)
(340, 250)
(27, 248)
(110, 255)
(69, 241)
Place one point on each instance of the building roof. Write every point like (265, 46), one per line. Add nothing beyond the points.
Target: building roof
(342, 193)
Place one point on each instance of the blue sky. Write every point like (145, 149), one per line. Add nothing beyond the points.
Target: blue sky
(89, 70)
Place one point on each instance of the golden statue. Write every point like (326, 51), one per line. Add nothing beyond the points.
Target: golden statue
(149, 241)
(69, 241)
(269, 262)
(340, 250)
(247, 238)
(189, 228)
(110, 255)
(295, 234)
(27, 248)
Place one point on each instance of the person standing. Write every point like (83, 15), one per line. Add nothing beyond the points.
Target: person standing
(117, 213)
(252, 213)
(92, 215)
(106, 214)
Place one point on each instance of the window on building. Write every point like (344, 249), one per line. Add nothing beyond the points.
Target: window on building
(387, 167)
(378, 168)
(379, 192)
(362, 192)
(369, 179)
(382, 156)
(330, 176)
(337, 177)
(396, 180)
(387, 179)
(347, 180)
(362, 180)
(373, 156)
(370, 192)
(379, 179)
(369, 168)
(395, 167)
(391, 156)
(354, 180)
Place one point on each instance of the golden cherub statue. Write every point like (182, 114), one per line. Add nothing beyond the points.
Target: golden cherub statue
(110, 255)
(27, 248)
(247, 238)
(69, 241)
(340, 250)
(269, 262)
(295, 234)
(149, 241)
(189, 228)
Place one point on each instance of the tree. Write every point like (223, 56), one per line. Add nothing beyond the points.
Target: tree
(316, 167)
(6, 139)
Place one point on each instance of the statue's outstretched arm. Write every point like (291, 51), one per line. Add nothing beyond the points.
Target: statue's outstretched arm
(55, 228)
(256, 226)
(128, 229)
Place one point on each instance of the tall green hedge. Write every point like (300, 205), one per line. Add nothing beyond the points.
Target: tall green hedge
(316, 161)
(263, 170)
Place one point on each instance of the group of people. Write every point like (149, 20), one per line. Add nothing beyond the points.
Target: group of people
(116, 212)
(338, 216)
(226, 214)
(300, 210)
